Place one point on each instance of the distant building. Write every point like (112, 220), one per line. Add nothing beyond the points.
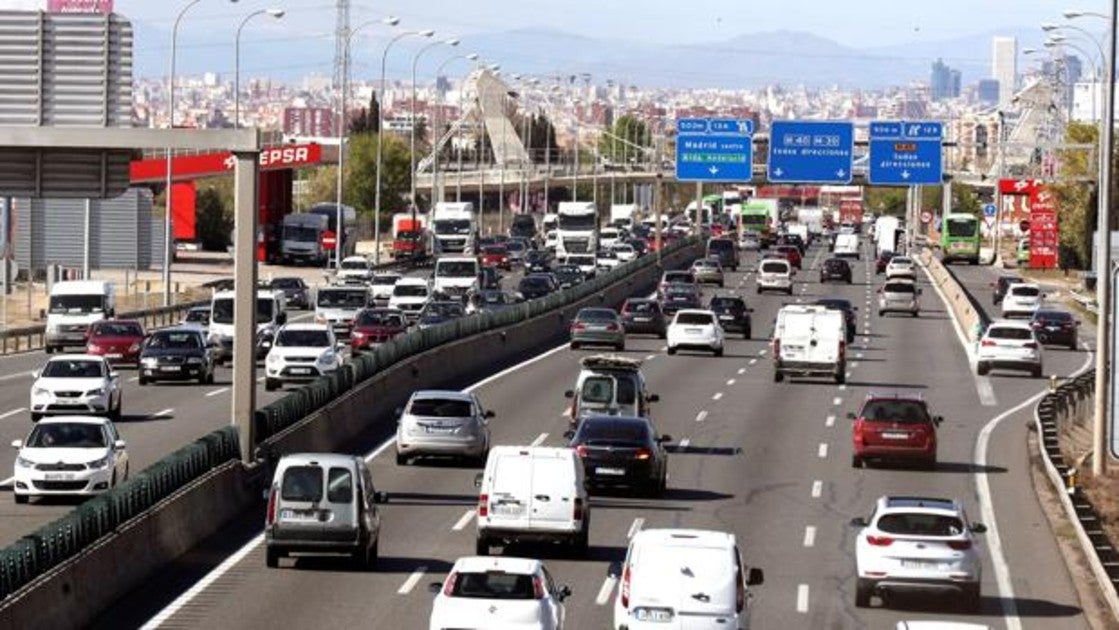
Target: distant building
(317, 122)
(955, 80)
(944, 82)
(1004, 67)
(988, 91)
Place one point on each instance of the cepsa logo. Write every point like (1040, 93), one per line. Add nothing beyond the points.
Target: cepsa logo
(283, 156)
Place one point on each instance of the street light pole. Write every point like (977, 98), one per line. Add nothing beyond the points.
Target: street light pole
(412, 111)
(436, 190)
(276, 13)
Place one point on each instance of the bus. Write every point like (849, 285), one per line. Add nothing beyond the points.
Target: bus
(959, 238)
(757, 216)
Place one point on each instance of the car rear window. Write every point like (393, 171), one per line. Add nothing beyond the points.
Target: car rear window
(492, 585)
(1054, 316)
(641, 307)
(900, 287)
(302, 483)
(598, 431)
(693, 319)
(901, 411)
(340, 486)
(720, 245)
(440, 408)
(775, 267)
(920, 524)
(726, 303)
(1009, 332)
(1025, 291)
(679, 276)
(118, 329)
(596, 315)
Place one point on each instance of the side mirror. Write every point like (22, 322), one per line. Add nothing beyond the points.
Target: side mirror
(569, 394)
(569, 434)
(114, 375)
(380, 497)
(859, 521)
(664, 438)
(938, 419)
(17, 444)
(434, 587)
(978, 528)
(478, 480)
(399, 411)
(614, 570)
(851, 415)
(35, 374)
(120, 445)
(755, 577)
(563, 593)
(281, 318)
(489, 414)
(654, 398)
(340, 346)
(920, 291)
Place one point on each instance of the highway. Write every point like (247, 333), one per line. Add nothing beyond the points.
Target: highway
(767, 461)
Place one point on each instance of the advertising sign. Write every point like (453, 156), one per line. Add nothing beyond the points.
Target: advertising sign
(1044, 232)
(851, 211)
(209, 164)
(103, 7)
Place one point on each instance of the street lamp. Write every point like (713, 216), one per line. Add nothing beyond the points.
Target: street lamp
(381, 137)
(438, 124)
(1073, 14)
(452, 42)
(275, 13)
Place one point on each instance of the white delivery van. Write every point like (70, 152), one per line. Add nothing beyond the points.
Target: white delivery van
(270, 316)
(846, 246)
(456, 276)
(532, 493)
(73, 306)
(809, 341)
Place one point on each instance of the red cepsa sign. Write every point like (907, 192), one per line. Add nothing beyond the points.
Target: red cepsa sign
(209, 164)
(1044, 230)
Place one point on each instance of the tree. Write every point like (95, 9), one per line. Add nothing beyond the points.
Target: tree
(617, 145)
(214, 219)
(361, 174)
(1076, 200)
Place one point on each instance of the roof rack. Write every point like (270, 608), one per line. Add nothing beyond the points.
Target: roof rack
(609, 361)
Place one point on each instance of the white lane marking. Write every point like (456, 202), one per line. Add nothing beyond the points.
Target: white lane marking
(743, 370)
(606, 591)
(753, 361)
(463, 521)
(8, 481)
(9, 414)
(260, 380)
(650, 357)
(638, 523)
(854, 364)
(843, 387)
(829, 421)
(717, 396)
(163, 412)
(9, 377)
(837, 401)
(809, 536)
(539, 439)
(761, 353)
(802, 598)
(701, 416)
(730, 381)
(986, 391)
(664, 348)
(685, 443)
(235, 559)
(412, 580)
(133, 379)
(822, 452)
(817, 489)
(218, 392)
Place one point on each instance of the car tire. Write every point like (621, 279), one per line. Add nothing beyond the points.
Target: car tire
(582, 544)
(621, 347)
(574, 345)
(857, 462)
(662, 335)
(718, 352)
(1072, 345)
(863, 590)
(841, 376)
(778, 377)
(881, 312)
(982, 368)
(1036, 372)
(271, 384)
(759, 290)
(210, 377)
(481, 546)
(272, 557)
(35, 417)
(916, 314)
(115, 414)
(401, 459)
(746, 334)
(671, 350)
(973, 599)
(142, 381)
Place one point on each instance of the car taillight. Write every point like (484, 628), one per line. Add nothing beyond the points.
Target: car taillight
(842, 349)
(642, 454)
(987, 343)
(449, 585)
(1032, 345)
(880, 541)
(538, 587)
(272, 506)
(960, 545)
(578, 326)
(577, 511)
(625, 587)
(612, 327)
(483, 505)
(1035, 325)
(581, 450)
(739, 591)
(776, 347)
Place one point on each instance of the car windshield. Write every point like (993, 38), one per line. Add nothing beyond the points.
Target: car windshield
(223, 310)
(582, 261)
(117, 329)
(77, 303)
(494, 250)
(679, 277)
(385, 280)
(336, 298)
(900, 287)
(198, 315)
(452, 226)
(300, 234)
(834, 304)
(493, 297)
(74, 368)
(303, 484)
(1053, 316)
(920, 524)
(456, 269)
(492, 585)
(379, 318)
(170, 340)
(640, 307)
(516, 246)
(289, 283)
(1025, 291)
(612, 431)
(534, 282)
(721, 245)
(597, 390)
(410, 290)
(444, 309)
(355, 264)
(67, 435)
(577, 223)
(303, 338)
(901, 411)
(958, 228)
(596, 315)
(1009, 332)
(440, 408)
(774, 267)
(725, 303)
(835, 262)
(693, 319)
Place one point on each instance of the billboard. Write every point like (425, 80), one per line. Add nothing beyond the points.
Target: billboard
(102, 7)
(1043, 229)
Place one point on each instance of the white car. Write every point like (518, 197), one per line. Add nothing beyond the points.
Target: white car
(301, 353)
(606, 260)
(354, 270)
(508, 593)
(901, 267)
(775, 274)
(587, 263)
(69, 455)
(410, 295)
(684, 578)
(1009, 345)
(918, 544)
(550, 240)
(695, 329)
(749, 241)
(382, 285)
(1022, 298)
(625, 252)
(76, 384)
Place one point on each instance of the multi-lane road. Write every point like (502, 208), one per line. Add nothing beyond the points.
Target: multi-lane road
(767, 461)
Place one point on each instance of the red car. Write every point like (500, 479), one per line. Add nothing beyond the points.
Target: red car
(374, 326)
(894, 428)
(792, 253)
(118, 340)
(882, 262)
(496, 256)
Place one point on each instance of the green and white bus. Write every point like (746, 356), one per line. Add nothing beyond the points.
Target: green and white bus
(959, 238)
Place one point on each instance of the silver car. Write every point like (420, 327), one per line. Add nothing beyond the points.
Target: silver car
(899, 296)
(598, 327)
(707, 271)
(443, 423)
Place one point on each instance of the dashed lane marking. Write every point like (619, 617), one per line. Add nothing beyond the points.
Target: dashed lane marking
(412, 580)
(817, 489)
(822, 451)
(717, 396)
(802, 598)
(638, 523)
(539, 439)
(809, 536)
(463, 521)
(217, 392)
(701, 416)
(829, 421)
(9, 414)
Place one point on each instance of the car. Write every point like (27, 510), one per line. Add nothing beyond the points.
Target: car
(410, 295)
(695, 329)
(835, 269)
(1055, 328)
(381, 286)
(76, 384)
(899, 296)
(489, 301)
(725, 250)
(894, 428)
(882, 262)
(918, 544)
(794, 240)
(336, 306)
(609, 385)
(587, 263)
(597, 327)
(792, 253)
(488, 278)
(516, 249)
(668, 278)
(118, 340)
(684, 578)
(71, 456)
(506, 592)
(301, 353)
(809, 340)
(1009, 345)
(176, 354)
(643, 316)
(850, 314)
(619, 451)
(443, 424)
(296, 292)
(708, 272)
(1000, 286)
(749, 242)
(734, 315)
(901, 267)
(354, 270)
(532, 494)
(640, 245)
(1022, 298)
(496, 256)
(606, 260)
(680, 296)
(322, 503)
(440, 312)
(374, 326)
(198, 316)
(537, 261)
(846, 245)
(523, 226)
(535, 286)
(569, 276)
(775, 274)
(625, 252)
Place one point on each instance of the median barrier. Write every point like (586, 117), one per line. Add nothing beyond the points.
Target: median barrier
(970, 317)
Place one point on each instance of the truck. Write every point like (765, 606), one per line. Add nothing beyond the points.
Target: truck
(73, 306)
(270, 316)
(851, 212)
(302, 238)
(346, 236)
(410, 236)
(577, 228)
(886, 230)
(623, 215)
(760, 217)
(455, 227)
(813, 218)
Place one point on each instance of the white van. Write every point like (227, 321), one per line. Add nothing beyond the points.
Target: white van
(809, 341)
(846, 246)
(456, 276)
(270, 316)
(775, 274)
(73, 306)
(674, 579)
(531, 494)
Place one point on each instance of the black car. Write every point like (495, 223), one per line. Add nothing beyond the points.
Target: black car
(440, 312)
(643, 316)
(1056, 328)
(679, 297)
(295, 290)
(734, 315)
(524, 226)
(569, 276)
(176, 354)
(489, 278)
(640, 245)
(537, 261)
(534, 286)
(835, 269)
(848, 310)
(1001, 285)
(619, 451)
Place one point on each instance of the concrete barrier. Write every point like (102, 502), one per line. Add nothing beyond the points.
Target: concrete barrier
(970, 319)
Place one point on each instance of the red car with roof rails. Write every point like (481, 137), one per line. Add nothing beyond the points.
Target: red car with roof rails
(894, 428)
(118, 340)
(374, 326)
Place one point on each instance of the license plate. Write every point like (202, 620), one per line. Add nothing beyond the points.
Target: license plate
(1052, 328)
(693, 331)
(297, 515)
(508, 509)
(615, 472)
(300, 370)
(58, 476)
(169, 368)
(895, 436)
(726, 317)
(115, 355)
(659, 616)
(440, 429)
(921, 564)
(642, 319)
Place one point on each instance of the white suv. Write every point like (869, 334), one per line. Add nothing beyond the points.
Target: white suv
(918, 544)
(1022, 298)
(775, 274)
(505, 592)
(301, 353)
(901, 267)
(696, 330)
(1009, 345)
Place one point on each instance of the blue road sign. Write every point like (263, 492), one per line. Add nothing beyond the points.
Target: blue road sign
(905, 153)
(811, 152)
(714, 150)
(990, 210)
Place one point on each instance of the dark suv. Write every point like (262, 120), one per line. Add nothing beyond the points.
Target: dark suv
(644, 316)
(734, 315)
(835, 269)
(727, 251)
(1055, 328)
(1001, 286)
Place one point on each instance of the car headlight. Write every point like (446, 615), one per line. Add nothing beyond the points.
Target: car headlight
(24, 463)
(52, 329)
(326, 358)
(95, 393)
(149, 362)
(273, 359)
(40, 391)
(134, 347)
(98, 463)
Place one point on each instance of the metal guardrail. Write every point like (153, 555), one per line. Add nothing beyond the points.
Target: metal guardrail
(1064, 404)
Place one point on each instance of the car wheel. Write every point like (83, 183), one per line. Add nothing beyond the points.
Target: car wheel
(662, 335)
(863, 590)
(481, 546)
(857, 462)
(789, 291)
(916, 314)
(719, 351)
(35, 417)
(881, 312)
(21, 499)
(210, 377)
(1036, 372)
(746, 333)
(271, 384)
(115, 414)
(982, 368)
(582, 543)
(841, 376)
(574, 345)
(759, 290)
(401, 459)
(620, 347)
(142, 381)
(1072, 345)
(271, 557)
(778, 377)
(973, 599)
(671, 350)
(113, 480)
